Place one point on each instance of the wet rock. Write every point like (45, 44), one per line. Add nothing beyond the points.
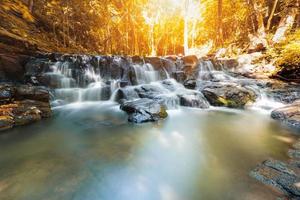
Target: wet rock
(171, 85)
(36, 66)
(195, 100)
(150, 91)
(11, 68)
(190, 66)
(190, 84)
(156, 62)
(22, 104)
(289, 114)
(294, 153)
(32, 93)
(127, 93)
(7, 93)
(6, 122)
(143, 110)
(43, 107)
(191, 61)
(137, 59)
(228, 64)
(228, 94)
(169, 101)
(24, 115)
(281, 91)
(179, 76)
(278, 175)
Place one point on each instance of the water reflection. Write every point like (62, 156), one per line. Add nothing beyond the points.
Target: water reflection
(89, 151)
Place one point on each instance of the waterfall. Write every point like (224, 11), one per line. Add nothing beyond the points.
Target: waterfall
(207, 72)
(145, 73)
(206, 69)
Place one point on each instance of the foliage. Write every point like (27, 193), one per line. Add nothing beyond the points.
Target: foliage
(289, 51)
(137, 26)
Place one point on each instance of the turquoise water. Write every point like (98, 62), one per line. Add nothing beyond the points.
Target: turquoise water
(88, 151)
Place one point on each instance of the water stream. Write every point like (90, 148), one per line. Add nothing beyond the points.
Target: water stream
(88, 150)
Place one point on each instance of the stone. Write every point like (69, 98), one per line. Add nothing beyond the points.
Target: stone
(7, 93)
(26, 115)
(32, 93)
(6, 122)
(179, 76)
(279, 176)
(190, 66)
(289, 115)
(190, 84)
(143, 110)
(195, 100)
(294, 153)
(24, 112)
(11, 67)
(228, 94)
(43, 107)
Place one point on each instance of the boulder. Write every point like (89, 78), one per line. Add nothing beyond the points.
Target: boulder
(169, 100)
(179, 76)
(24, 115)
(194, 100)
(289, 114)
(11, 68)
(190, 66)
(190, 84)
(278, 175)
(23, 112)
(32, 93)
(43, 107)
(143, 110)
(228, 94)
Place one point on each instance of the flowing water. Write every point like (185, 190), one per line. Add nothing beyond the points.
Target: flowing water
(88, 150)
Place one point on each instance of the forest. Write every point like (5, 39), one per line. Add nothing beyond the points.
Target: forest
(149, 99)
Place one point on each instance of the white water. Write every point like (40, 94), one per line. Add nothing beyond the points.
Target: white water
(69, 90)
(208, 72)
(145, 73)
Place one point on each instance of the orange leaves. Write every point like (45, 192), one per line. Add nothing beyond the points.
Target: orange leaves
(17, 7)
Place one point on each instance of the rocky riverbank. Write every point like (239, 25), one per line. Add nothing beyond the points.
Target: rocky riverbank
(22, 105)
(283, 176)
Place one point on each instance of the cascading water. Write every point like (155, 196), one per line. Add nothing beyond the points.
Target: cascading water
(207, 72)
(145, 73)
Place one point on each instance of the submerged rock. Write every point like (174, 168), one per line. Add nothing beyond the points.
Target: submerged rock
(289, 114)
(278, 175)
(143, 110)
(228, 94)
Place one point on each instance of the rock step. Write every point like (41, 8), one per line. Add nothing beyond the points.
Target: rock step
(22, 104)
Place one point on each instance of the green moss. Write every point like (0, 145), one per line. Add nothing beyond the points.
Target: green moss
(163, 113)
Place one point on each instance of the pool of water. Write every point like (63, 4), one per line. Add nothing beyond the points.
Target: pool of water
(88, 151)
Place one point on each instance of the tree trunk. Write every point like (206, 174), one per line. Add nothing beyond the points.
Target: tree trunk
(285, 24)
(271, 15)
(153, 50)
(220, 24)
(186, 28)
(30, 5)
